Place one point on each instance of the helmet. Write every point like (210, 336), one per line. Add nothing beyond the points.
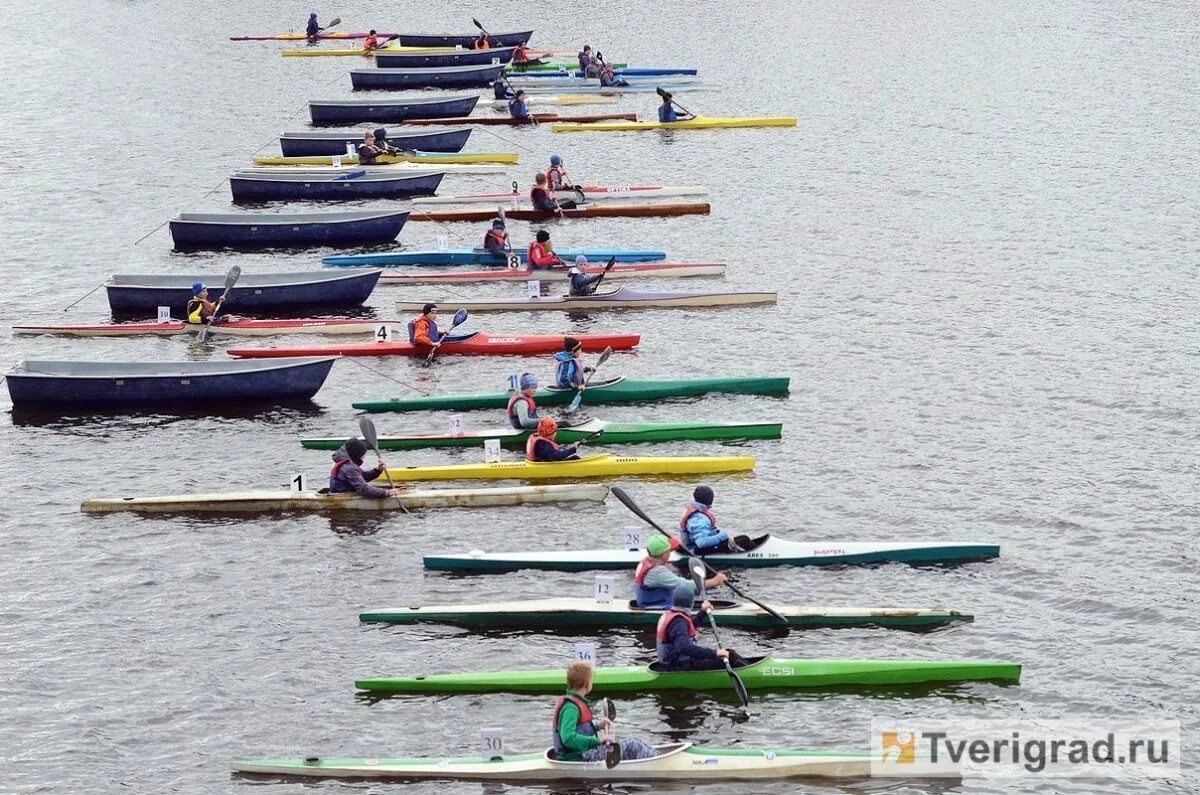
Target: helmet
(547, 427)
(198, 288)
(555, 160)
(658, 545)
(528, 381)
(581, 260)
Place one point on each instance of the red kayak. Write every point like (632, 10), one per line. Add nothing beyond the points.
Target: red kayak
(241, 328)
(480, 343)
(618, 271)
(542, 118)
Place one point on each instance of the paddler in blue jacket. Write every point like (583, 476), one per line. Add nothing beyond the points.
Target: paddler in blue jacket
(580, 736)
(517, 107)
(655, 584)
(570, 372)
(581, 283)
(585, 58)
(698, 527)
(666, 111)
(347, 474)
(522, 410)
(314, 28)
(675, 640)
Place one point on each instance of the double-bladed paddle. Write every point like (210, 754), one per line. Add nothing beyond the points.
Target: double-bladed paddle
(575, 401)
(230, 280)
(460, 317)
(699, 570)
(367, 426)
(482, 30)
(633, 506)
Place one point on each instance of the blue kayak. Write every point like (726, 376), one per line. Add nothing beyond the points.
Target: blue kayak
(477, 256)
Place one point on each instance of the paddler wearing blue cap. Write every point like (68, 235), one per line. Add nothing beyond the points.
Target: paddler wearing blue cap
(580, 735)
(200, 309)
(655, 584)
(522, 409)
(556, 175)
(675, 639)
(347, 474)
(581, 283)
(495, 240)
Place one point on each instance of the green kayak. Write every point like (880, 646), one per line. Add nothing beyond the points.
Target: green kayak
(618, 390)
(614, 433)
(762, 673)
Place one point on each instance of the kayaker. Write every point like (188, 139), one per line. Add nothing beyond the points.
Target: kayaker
(495, 241)
(556, 175)
(655, 585)
(585, 58)
(579, 736)
(522, 410)
(501, 89)
(481, 43)
(581, 283)
(314, 28)
(541, 253)
(608, 78)
(424, 330)
(542, 199)
(200, 309)
(541, 445)
(368, 152)
(699, 530)
(517, 107)
(520, 58)
(384, 145)
(570, 372)
(371, 42)
(666, 111)
(347, 474)
(675, 639)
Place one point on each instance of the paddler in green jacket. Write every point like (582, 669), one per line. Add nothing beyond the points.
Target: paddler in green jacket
(580, 736)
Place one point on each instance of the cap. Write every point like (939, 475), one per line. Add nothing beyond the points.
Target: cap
(543, 236)
(198, 288)
(498, 223)
(547, 426)
(555, 160)
(528, 381)
(356, 448)
(703, 495)
(658, 545)
(580, 260)
(425, 310)
(570, 344)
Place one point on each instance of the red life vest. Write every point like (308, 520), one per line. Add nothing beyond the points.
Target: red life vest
(540, 257)
(644, 568)
(519, 54)
(585, 712)
(482, 43)
(556, 176)
(538, 194)
(660, 633)
(512, 401)
(370, 43)
(499, 237)
(532, 442)
(691, 509)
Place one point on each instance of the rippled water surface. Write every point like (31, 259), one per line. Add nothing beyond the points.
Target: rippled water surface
(983, 235)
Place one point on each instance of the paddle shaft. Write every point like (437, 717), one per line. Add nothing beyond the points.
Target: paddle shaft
(739, 687)
(575, 401)
(459, 319)
(230, 280)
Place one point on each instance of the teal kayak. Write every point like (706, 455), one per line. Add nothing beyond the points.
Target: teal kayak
(763, 673)
(618, 390)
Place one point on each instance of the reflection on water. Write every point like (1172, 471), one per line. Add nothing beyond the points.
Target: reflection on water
(119, 423)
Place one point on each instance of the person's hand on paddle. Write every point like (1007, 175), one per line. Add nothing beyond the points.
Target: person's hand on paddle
(723, 654)
(604, 723)
(706, 606)
(397, 491)
(718, 580)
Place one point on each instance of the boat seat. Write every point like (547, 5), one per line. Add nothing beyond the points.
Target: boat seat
(657, 668)
(718, 604)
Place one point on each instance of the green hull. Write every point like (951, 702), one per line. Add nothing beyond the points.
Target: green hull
(764, 674)
(614, 433)
(621, 391)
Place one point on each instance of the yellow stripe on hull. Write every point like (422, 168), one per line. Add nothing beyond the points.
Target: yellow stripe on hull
(595, 466)
(431, 159)
(701, 123)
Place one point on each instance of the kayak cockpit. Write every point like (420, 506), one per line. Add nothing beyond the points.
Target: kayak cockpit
(667, 749)
(657, 668)
(592, 385)
(718, 604)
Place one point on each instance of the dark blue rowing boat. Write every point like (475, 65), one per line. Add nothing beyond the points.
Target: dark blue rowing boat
(258, 187)
(353, 111)
(436, 77)
(164, 385)
(463, 40)
(417, 60)
(142, 294)
(303, 144)
(192, 231)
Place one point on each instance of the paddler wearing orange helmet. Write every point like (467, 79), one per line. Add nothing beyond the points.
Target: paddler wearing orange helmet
(542, 447)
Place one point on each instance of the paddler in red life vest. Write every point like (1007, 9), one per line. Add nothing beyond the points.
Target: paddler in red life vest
(481, 43)
(424, 331)
(541, 253)
(541, 445)
(543, 200)
(520, 58)
(495, 242)
(580, 736)
(371, 42)
(698, 528)
(655, 584)
(675, 640)
(348, 475)
(556, 175)
(522, 410)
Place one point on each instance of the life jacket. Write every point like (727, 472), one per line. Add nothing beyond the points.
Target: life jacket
(556, 176)
(482, 43)
(431, 330)
(512, 414)
(540, 256)
(367, 155)
(568, 370)
(607, 77)
(336, 484)
(666, 653)
(498, 237)
(519, 54)
(370, 43)
(585, 725)
(688, 512)
(195, 310)
(539, 197)
(532, 443)
(650, 597)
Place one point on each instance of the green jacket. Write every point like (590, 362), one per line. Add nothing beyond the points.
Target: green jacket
(568, 734)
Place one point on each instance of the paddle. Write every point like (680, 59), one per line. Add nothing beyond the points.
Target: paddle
(575, 401)
(336, 21)
(230, 280)
(633, 506)
(460, 317)
(483, 31)
(667, 95)
(699, 569)
(367, 426)
(607, 267)
(588, 438)
(612, 754)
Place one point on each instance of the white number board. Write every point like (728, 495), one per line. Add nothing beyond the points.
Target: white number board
(633, 538)
(164, 314)
(493, 742)
(454, 425)
(606, 586)
(535, 288)
(297, 483)
(491, 450)
(585, 652)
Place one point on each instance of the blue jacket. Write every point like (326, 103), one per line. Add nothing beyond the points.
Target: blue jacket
(699, 533)
(580, 282)
(518, 109)
(568, 375)
(666, 113)
(313, 27)
(544, 451)
(678, 650)
(500, 89)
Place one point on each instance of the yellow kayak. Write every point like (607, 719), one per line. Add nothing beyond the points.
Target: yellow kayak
(429, 158)
(698, 123)
(593, 466)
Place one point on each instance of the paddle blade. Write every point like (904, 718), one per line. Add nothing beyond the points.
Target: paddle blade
(698, 571)
(231, 278)
(460, 317)
(612, 755)
(573, 406)
(336, 21)
(476, 21)
(603, 356)
(367, 426)
(739, 687)
(628, 502)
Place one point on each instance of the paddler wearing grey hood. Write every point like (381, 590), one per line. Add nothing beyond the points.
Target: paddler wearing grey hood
(348, 475)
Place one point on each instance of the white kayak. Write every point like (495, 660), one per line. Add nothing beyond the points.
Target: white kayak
(629, 270)
(270, 501)
(620, 298)
(515, 200)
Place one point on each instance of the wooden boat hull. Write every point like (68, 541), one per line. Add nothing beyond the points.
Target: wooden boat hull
(479, 76)
(382, 110)
(464, 40)
(425, 59)
(263, 188)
